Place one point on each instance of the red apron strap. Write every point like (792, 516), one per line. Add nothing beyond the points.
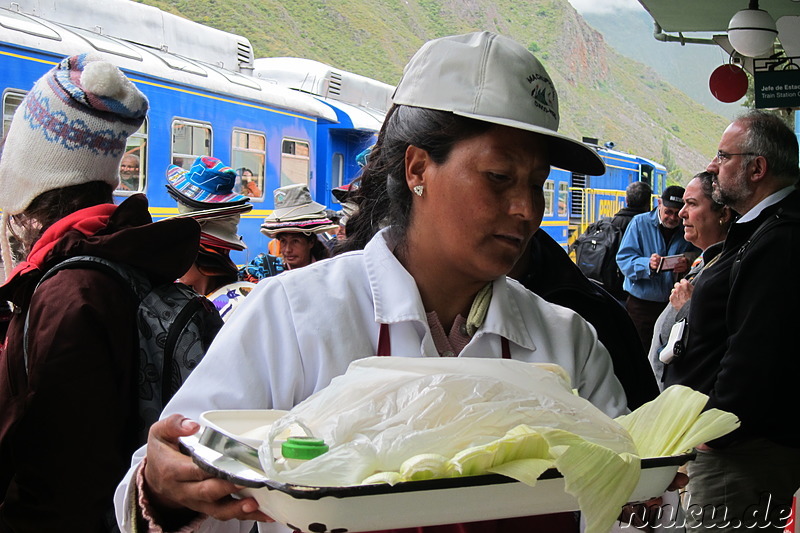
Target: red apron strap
(506, 348)
(384, 343)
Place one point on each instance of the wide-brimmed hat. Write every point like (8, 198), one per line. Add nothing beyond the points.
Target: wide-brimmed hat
(294, 202)
(208, 181)
(340, 193)
(295, 211)
(494, 79)
(218, 226)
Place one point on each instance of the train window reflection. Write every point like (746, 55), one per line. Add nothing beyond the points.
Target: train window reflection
(337, 170)
(190, 140)
(549, 193)
(563, 198)
(11, 101)
(294, 162)
(248, 158)
(133, 167)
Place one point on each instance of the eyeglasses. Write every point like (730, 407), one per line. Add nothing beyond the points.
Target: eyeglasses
(725, 156)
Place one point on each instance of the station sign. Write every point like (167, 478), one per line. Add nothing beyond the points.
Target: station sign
(776, 82)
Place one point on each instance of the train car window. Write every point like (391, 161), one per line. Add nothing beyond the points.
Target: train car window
(563, 198)
(107, 44)
(549, 194)
(19, 22)
(190, 140)
(248, 157)
(133, 167)
(11, 101)
(337, 170)
(294, 162)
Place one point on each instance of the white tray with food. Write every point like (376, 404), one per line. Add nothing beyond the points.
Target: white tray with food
(409, 442)
(405, 504)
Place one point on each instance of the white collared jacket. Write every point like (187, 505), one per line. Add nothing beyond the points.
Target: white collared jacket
(297, 331)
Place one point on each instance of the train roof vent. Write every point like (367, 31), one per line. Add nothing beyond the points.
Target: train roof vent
(334, 84)
(323, 80)
(244, 53)
(153, 28)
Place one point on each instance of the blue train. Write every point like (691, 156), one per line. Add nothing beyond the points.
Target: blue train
(277, 121)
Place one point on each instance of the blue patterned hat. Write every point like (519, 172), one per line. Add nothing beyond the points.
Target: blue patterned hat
(208, 181)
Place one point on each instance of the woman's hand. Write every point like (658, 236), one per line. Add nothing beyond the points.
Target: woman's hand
(680, 294)
(644, 516)
(174, 483)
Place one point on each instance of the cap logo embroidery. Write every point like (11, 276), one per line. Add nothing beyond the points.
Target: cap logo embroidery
(543, 92)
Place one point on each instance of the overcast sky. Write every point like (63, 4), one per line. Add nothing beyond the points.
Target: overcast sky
(604, 6)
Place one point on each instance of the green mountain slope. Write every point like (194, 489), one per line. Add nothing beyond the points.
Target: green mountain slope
(602, 94)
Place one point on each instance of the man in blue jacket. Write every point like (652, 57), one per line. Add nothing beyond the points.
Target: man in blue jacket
(649, 237)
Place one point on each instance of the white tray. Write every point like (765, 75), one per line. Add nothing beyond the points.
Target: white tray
(416, 503)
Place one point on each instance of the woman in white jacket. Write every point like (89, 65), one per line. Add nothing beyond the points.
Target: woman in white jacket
(450, 196)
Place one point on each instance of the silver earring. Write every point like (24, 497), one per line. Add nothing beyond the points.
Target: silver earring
(418, 190)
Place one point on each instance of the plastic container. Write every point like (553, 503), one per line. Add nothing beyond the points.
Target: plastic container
(296, 450)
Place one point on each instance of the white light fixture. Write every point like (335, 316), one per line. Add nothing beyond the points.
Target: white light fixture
(752, 31)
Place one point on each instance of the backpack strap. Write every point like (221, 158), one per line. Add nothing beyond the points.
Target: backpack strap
(779, 218)
(138, 284)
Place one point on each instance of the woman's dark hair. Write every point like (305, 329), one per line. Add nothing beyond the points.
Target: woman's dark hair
(383, 197)
(51, 206)
(706, 180)
(318, 250)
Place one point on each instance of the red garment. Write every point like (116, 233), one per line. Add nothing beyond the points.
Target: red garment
(68, 424)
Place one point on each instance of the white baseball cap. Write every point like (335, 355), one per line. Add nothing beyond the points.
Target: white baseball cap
(492, 78)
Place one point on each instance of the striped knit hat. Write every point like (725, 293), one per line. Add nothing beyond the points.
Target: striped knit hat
(70, 129)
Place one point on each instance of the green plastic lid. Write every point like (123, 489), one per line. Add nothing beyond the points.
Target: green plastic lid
(303, 448)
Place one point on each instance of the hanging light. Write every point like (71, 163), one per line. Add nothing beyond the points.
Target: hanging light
(752, 31)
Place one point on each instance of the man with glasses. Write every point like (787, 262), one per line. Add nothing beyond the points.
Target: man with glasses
(649, 238)
(741, 347)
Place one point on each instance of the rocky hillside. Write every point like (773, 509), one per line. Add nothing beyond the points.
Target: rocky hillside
(602, 94)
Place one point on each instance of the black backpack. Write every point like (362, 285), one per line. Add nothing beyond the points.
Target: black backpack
(176, 325)
(596, 254)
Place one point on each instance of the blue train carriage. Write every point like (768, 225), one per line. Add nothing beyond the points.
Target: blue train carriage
(360, 104)
(204, 100)
(573, 201)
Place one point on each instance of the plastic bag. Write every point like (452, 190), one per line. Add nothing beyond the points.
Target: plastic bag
(384, 410)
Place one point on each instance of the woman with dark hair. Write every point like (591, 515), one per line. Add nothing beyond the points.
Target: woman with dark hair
(706, 223)
(447, 203)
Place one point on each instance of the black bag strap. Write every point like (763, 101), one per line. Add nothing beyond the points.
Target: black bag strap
(138, 284)
(779, 218)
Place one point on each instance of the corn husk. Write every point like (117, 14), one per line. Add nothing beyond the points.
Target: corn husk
(674, 423)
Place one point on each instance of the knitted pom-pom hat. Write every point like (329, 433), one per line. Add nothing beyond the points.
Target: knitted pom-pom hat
(71, 128)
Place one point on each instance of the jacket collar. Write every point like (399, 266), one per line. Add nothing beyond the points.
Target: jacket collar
(87, 221)
(397, 299)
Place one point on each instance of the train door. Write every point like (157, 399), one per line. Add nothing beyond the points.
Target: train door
(646, 175)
